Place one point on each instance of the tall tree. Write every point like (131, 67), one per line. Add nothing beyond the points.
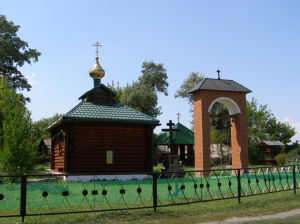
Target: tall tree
(39, 129)
(154, 75)
(40, 126)
(17, 154)
(262, 125)
(14, 53)
(142, 95)
(193, 79)
(187, 85)
(117, 89)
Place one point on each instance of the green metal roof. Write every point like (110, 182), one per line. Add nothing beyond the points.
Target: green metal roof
(184, 136)
(112, 112)
(105, 112)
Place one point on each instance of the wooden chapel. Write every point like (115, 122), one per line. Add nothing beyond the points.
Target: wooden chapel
(100, 135)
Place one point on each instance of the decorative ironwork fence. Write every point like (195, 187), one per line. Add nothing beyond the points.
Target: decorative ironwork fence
(32, 195)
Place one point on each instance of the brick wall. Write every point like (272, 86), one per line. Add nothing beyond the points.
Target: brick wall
(202, 101)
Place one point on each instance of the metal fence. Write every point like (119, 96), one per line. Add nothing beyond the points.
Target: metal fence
(32, 195)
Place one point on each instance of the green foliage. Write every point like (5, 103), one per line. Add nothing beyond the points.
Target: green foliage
(117, 89)
(187, 85)
(141, 95)
(41, 125)
(293, 155)
(262, 125)
(14, 52)
(281, 159)
(219, 108)
(292, 147)
(155, 76)
(158, 168)
(17, 154)
(39, 131)
(219, 136)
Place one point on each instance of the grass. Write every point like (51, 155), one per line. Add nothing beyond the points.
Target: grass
(41, 168)
(36, 203)
(168, 191)
(194, 213)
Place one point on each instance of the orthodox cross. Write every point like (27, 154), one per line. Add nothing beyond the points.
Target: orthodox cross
(178, 116)
(97, 45)
(218, 73)
(170, 124)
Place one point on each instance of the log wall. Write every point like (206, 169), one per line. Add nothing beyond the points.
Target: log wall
(57, 158)
(99, 96)
(88, 143)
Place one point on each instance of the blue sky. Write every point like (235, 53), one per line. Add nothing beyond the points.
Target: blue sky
(255, 43)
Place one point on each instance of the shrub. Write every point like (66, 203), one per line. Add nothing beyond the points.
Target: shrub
(158, 168)
(281, 159)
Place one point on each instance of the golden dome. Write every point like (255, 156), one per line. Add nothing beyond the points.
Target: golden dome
(97, 72)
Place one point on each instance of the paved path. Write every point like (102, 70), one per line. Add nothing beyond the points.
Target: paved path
(234, 220)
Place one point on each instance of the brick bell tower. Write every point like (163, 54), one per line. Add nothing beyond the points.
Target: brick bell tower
(233, 96)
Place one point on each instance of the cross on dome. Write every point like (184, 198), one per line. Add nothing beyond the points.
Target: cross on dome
(178, 116)
(97, 45)
(97, 72)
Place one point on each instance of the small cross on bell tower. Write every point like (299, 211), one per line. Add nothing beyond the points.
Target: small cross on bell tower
(218, 74)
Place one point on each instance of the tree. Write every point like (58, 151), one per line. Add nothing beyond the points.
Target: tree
(117, 89)
(187, 85)
(262, 125)
(142, 95)
(155, 76)
(17, 154)
(14, 53)
(40, 126)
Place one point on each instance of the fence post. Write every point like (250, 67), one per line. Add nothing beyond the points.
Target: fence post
(154, 187)
(239, 185)
(294, 178)
(23, 197)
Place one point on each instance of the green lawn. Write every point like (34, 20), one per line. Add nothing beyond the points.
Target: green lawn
(195, 213)
(56, 197)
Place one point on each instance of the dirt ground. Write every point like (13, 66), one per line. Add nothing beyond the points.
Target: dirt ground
(235, 220)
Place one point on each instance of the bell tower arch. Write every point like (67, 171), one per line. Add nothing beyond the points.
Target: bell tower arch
(233, 96)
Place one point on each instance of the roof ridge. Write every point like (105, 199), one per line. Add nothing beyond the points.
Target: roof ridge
(184, 126)
(219, 85)
(220, 79)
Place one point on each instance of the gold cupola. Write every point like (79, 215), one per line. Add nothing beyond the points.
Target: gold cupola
(97, 72)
